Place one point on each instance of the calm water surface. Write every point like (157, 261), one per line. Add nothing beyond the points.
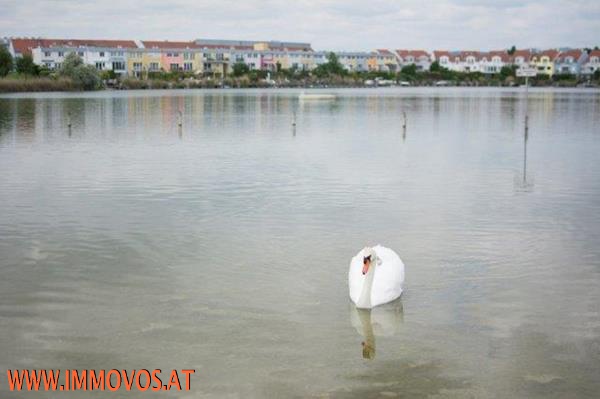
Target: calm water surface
(127, 242)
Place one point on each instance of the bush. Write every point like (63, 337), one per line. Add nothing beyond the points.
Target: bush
(10, 85)
(26, 66)
(239, 69)
(6, 61)
(108, 75)
(84, 76)
(134, 84)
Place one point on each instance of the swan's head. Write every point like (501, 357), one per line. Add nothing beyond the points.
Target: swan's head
(368, 258)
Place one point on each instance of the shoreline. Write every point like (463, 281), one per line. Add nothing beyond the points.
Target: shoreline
(53, 88)
(295, 91)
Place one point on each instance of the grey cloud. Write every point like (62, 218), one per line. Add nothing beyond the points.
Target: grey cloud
(328, 24)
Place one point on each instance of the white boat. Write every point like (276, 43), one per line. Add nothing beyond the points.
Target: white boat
(316, 96)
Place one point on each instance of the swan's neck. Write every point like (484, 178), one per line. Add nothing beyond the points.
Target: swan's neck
(364, 300)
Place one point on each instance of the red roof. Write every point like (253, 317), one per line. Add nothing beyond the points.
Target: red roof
(441, 53)
(165, 44)
(464, 54)
(576, 54)
(504, 57)
(384, 51)
(595, 53)
(526, 54)
(552, 54)
(413, 53)
(24, 46)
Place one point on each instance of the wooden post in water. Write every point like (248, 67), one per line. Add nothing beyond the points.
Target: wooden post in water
(404, 126)
(69, 123)
(180, 123)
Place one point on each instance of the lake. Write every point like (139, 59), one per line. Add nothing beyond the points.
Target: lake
(128, 241)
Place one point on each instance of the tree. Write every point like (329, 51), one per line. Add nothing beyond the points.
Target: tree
(26, 66)
(435, 67)
(512, 50)
(597, 74)
(84, 76)
(409, 70)
(331, 67)
(6, 61)
(507, 71)
(239, 69)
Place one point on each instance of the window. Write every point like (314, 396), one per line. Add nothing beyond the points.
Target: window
(100, 65)
(174, 67)
(80, 53)
(188, 66)
(101, 53)
(47, 54)
(118, 66)
(61, 54)
(154, 66)
(137, 66)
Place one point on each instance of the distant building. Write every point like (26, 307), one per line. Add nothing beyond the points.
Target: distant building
(253, 45)
(592, 64)
(544, 61)
(521, 58)
(420, 58)
(217, 57)
(493, 61)
(570, 62)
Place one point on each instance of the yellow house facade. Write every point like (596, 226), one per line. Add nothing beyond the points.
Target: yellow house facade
(544, 62)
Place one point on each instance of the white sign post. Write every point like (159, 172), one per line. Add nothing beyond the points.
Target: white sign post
(526, 72)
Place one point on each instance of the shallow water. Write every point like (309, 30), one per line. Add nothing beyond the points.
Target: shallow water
(127, 242)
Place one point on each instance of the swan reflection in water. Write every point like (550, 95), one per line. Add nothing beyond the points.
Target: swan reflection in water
(381, 321)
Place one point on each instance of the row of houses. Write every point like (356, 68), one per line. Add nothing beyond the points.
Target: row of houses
(217, 57)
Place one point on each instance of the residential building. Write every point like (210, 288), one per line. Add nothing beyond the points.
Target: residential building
(355, 61)
(544, 61)
(387, 60)
(570, 62)
(592, 64)
(521, 58)
(443, 58)
(493, 61)
(420, 58)
(172, 56)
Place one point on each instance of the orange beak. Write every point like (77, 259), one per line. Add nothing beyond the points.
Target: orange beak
(366, 264)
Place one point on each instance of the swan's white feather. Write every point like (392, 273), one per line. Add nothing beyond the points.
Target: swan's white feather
(388, 280)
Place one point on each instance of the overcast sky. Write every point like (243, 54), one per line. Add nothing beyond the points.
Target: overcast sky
(327, 24)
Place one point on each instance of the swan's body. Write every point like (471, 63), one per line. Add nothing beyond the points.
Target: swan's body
(382, 282)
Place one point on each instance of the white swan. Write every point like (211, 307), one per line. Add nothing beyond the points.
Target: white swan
(376, 276)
